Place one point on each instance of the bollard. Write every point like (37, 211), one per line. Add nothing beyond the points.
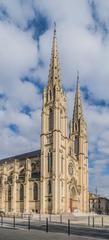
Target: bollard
(39, 217)
(102, 221)
(69, 227)
(60, 218)
(50, 217)
(46, 224)
(1, 220)
(14, 223)
(88, 220)
(28, 222)
(93, 222)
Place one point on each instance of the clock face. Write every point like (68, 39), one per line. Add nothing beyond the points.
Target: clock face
(70, 168)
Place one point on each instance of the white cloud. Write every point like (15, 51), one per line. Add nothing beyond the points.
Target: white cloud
(19, 12)
(19, 54)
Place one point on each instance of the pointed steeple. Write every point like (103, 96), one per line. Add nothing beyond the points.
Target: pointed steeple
(78, 112)
(54, 71)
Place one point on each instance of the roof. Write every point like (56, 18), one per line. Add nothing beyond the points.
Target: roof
(95, 196)
(103, 198)
(22, 156)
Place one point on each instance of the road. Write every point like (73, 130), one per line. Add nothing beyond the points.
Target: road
(11, 234)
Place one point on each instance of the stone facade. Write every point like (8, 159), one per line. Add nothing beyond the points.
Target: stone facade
(55, 178)
(20, 183)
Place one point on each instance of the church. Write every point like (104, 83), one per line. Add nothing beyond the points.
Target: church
(53, 179)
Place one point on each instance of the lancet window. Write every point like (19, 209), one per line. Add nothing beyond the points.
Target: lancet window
(35, 191)
(50, 161)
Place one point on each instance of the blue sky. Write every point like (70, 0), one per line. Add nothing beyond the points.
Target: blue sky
(26, 29)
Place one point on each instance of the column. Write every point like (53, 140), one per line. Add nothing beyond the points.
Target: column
(3, 194)
(26, 186)
(14, 186)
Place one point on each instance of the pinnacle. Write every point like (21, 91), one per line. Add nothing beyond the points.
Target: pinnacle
(77, 113)
(54, 71)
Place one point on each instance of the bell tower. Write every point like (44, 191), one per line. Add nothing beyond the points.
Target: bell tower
(53, 139)
(80, 145)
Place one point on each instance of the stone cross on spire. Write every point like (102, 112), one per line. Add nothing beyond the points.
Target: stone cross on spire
(54, 70)
(55, 27)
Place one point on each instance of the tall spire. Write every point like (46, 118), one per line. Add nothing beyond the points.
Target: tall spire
(78, 112)
(54, 71)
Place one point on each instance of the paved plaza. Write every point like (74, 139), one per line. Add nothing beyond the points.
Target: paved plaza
(92, 220)
(11, 234)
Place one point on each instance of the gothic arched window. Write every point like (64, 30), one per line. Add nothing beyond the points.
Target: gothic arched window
(21, 192)
(51, 120)
(22, 174)
(9, 198)
(35, 191)
(79, 122)
(9, 192)
(50, 160)
(47, 96)
(50, 95)
(75, 126)
(49, 187)
(76, 145)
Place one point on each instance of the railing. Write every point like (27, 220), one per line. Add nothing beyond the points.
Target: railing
(52, 223)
